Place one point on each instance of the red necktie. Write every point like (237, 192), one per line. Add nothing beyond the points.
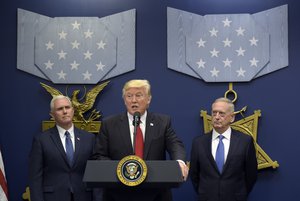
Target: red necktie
(139, 143)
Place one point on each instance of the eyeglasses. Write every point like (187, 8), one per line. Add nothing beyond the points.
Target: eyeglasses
(138, 96)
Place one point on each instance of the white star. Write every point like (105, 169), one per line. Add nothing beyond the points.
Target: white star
(49, 45)
(49, 65)
(253, 62)
(61, 75)
(213, 32)
(101, 45)
(214, 72)
(227, 42)
(214, 53)
(240, 52)
(76, 25)
(86, 75)
(74, 65)
(75, 45)
(201, 63)
(240, 31)
(88, 55)
(201, 43)
(227, 62)
(88, 34)
(62, 35)
(253, 41)
(226, 22)
(241, 72)
(62, 55)
(100, 66)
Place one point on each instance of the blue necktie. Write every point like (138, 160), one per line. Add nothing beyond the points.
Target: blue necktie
(69, 148)
(220, 154)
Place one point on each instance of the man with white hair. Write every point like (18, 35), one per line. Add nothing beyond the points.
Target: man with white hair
(58, 158)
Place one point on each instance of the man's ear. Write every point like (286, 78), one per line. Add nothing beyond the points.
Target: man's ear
(51, 115)
(149, 101)
(232, 119)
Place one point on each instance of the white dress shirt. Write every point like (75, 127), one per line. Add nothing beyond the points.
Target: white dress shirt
(215, 141)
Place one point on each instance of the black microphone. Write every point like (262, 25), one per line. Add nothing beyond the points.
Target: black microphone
(136, 123)
(136, 119)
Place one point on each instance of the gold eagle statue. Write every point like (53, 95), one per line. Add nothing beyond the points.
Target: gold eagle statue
(81, 107)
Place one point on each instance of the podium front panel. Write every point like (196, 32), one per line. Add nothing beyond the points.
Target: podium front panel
(103, 173)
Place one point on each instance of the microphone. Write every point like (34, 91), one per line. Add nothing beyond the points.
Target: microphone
(136, 123)
(136, 119)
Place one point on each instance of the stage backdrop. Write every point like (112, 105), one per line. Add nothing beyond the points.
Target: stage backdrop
(25, 104)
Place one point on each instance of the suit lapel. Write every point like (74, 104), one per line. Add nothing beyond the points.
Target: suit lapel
(77, 139)
(124, 131)
(57, 141)
(234, 141)
(208, 151)
(151, 124)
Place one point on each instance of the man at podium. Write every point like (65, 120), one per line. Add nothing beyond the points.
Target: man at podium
(150, 140)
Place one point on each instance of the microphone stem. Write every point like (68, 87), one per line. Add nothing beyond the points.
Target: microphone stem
(134, 134)
(136, 123)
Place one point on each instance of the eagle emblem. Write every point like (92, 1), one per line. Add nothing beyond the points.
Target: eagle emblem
(132, 170)
(81, 107)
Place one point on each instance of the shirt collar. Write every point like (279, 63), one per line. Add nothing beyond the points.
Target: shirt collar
(226, 134)
(62, 131)
(142, 119)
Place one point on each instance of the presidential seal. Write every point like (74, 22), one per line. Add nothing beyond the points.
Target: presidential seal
(131, 170)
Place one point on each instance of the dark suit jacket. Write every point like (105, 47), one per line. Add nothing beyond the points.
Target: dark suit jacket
(239, 171)
(114, 143)
(50, 175)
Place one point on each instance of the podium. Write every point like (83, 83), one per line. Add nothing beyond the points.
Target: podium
(161, 174)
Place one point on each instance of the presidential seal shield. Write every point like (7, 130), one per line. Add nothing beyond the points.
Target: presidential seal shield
(131, 170)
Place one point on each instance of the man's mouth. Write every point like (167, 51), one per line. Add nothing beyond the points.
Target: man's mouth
(134, 107)
(217, 123)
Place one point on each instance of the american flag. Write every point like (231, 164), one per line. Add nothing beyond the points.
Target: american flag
(228, 47)
(75, 50)
(3, 183)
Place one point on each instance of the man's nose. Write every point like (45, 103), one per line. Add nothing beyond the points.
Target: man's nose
(134, 98)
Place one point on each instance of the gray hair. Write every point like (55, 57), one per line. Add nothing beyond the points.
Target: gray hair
(57, 98)
(226, 100)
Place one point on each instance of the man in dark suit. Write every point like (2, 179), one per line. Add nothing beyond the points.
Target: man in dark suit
(58, 158)
(115, 140)
(225, 175)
